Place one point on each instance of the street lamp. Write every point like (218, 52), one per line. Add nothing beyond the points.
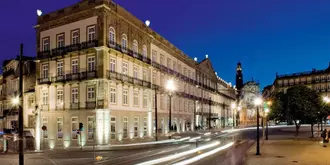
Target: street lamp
(257, 103)
(266, 113)
(170, 87)
(15, 101)
(326, 100)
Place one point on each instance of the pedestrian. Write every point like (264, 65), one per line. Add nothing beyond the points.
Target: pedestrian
(325, 137)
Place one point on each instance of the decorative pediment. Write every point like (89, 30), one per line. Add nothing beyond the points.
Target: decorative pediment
(206, 66)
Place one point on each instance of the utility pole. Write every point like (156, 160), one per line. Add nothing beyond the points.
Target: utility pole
(20, 108)
(258, 136)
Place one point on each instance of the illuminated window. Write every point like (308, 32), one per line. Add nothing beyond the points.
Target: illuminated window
(135, 48)
(136, 127)
(112, 64)
(112, 36)
(60, 97)
(74, 95)
(91, 33)
(136, 97)
(90, 127)
(145, 74)
(136, 72)
(125, 129)
(125, 96)
(60, 68)
(113, 95)
(113, 128)
(124, 42)
(125, 68)
(144, 51)
(75, 37)
(60, 41)
(91, 63)
(154, 56)
(74, 127)
(59, 128)
(162, 59)
(45, 71)
(91, 94)
(46, 44)
(74, 66)
(45, 97)
(145, 125)
(154, 77)
(168, 63)
(145, 99)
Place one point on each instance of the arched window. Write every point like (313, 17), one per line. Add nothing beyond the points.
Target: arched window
(124, 42)
(135, 48)
(144, 51)
(112, 36)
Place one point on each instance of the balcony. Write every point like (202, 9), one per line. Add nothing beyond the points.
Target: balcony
(137, 82)
(45, 80)
(74, 106)
(64, 50)
(59, 106)
(90, 104)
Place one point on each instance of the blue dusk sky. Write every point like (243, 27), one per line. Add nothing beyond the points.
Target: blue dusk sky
(266, 36)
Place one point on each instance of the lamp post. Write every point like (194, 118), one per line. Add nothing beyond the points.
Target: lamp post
(170, 87)
(257, 103)
(266, 116)
(326, 100)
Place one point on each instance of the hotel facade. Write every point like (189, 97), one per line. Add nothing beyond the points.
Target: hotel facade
(99, 65)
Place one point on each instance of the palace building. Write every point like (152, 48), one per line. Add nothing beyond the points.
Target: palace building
(99, 65)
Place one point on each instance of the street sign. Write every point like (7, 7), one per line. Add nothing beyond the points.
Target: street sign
(44, 128)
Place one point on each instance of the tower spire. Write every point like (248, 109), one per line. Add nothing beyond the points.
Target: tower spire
(239, 77)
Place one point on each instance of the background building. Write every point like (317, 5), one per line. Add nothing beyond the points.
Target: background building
(318, 80)
(101, 66)
(250, 91)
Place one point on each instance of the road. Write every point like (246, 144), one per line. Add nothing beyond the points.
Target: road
(224, 148)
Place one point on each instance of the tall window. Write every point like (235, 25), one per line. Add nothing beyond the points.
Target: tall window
(185, 105)
(125, 96)
(45, 97)
(154, 56)
(154, 77)
(135, 72)
(145, 125)
(91, 93)
(75, 37)
(45, 71)
(124, 42)
(162, 102)
(135, 48)
(136, 127)
(112, 64)
(74, 127)
(113, 95)
(74, 66)
(136, 97)
(144, 51)
(113, 128)
(59, 128)
(162, 59)
(145, 99)
(181, 104)
(60, 41)
(112, 36)
(125, 129)
(168, 63)
(162, 80)
(45, 123)
(60, 68)
(145, 74)
(90, 127)
(60, 97)
(91, 63)
(74, 95)
(125, 68)
(91, 33)
(46, 44)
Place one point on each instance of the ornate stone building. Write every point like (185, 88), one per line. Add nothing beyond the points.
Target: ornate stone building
(9, 84)
(100, 66)
(250, 91)
(318, 80)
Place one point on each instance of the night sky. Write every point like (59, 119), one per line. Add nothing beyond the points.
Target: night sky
(267, 36)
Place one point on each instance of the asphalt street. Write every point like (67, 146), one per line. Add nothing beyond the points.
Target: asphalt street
(224, 148)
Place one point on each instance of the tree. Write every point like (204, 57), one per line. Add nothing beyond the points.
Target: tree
(302, 105)
(278, 107)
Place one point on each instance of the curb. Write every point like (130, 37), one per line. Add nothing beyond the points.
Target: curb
(245, 155)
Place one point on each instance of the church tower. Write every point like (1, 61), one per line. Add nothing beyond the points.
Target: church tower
(239, 77)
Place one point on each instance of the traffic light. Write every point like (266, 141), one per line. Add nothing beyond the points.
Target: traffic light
(81, 126)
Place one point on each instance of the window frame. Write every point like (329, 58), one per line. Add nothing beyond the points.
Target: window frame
(75, 39)
(91, 36)
(60, 43)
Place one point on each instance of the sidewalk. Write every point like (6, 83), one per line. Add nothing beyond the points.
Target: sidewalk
(289, 152)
